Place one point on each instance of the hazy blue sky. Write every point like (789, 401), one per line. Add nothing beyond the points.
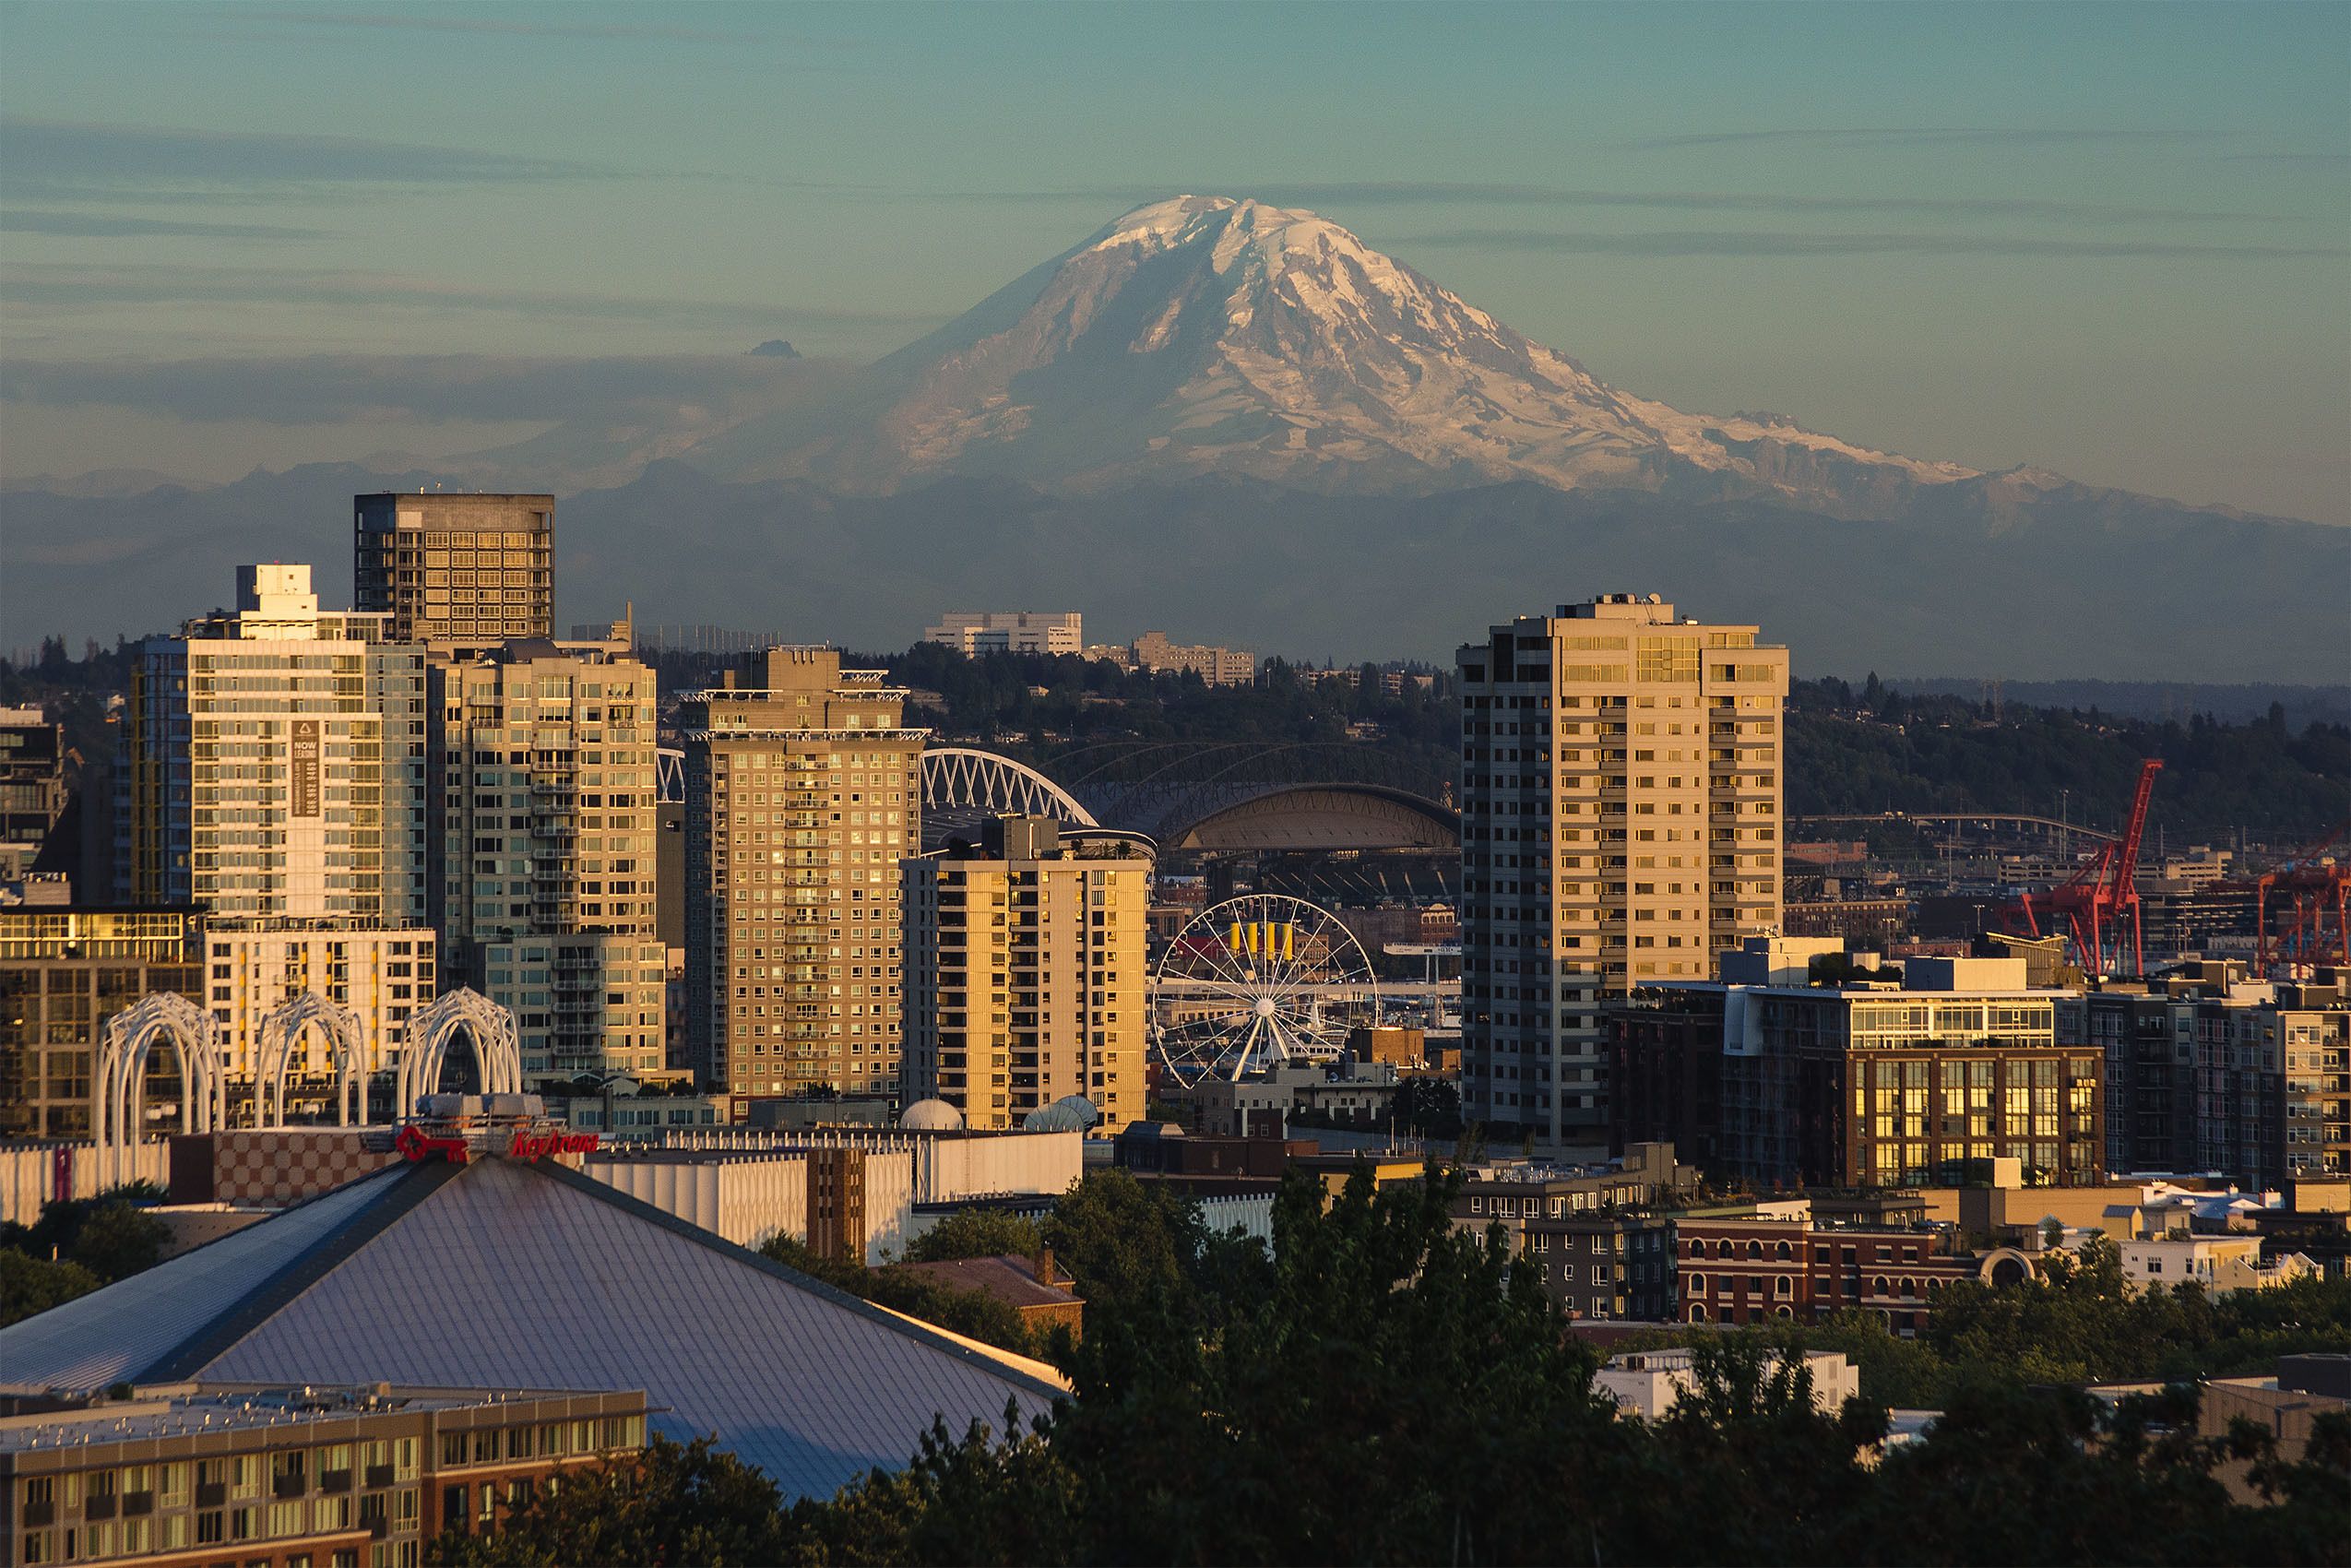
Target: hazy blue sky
(2110, 239)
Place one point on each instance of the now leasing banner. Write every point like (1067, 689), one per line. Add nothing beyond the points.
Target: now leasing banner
(305, 767)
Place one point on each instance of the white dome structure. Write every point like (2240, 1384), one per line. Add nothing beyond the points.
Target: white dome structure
(932, 1116)
(1071, 1113)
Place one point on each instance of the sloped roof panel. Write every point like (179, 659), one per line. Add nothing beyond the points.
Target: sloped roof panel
(120, 1332)
(513, 1276)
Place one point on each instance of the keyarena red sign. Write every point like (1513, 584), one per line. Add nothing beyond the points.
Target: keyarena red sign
(530, 1146)
(415, 1143)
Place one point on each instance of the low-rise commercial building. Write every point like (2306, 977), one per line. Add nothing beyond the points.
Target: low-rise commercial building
(63, 972)
(331, 1477)
(2219, 1263)
(1753, 1267)
(1345, 1092)
(1597, 1236)
(1866, 1082)
(1649, 1383)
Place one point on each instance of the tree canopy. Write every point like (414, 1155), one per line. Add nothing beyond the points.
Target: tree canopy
(1386, 1389)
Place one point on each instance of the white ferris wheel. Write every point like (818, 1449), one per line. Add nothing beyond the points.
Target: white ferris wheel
(1256, 982)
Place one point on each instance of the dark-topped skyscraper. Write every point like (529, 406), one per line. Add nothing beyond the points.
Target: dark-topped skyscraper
(457, 572)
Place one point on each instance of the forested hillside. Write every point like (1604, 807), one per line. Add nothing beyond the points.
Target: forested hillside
(1851, 748)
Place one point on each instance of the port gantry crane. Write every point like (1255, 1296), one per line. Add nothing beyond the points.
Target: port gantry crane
(2318, 885)
(2092, 905)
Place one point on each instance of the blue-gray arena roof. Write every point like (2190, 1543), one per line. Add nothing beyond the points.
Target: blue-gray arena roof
(504, 1274)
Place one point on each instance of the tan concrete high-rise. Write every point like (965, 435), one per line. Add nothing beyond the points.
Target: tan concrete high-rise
(273, 763)
(803, 791)
(542, 877)
(456, 571)
(1621, 811)
(1025, 972)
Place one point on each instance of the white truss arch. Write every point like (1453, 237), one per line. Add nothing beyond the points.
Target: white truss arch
(967, 778)
(346, 1045)
(117, 1112)
(429, 1033)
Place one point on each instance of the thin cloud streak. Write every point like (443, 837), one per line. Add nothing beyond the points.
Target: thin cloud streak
(87, 225)
(1897, 136)
(389, 21)
(70, 287)
(118, 157)
(328, 389)
(1679, 242)
(1470, 193)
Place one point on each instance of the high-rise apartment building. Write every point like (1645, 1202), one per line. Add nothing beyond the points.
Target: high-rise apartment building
(542, 862)
(1620, 807)
(2209, 1069)
(253, 968)
(1025, 970)
(32, 786)
(455, 571)
(1008, 631)
(273, 763)
(803, 791)
(63, 972)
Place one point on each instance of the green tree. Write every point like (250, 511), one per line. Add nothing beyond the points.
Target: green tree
(30, 1285)
(116, 1240)
(1131, 1245)
(976, 1233)
(694, 1504)
(972, 1314)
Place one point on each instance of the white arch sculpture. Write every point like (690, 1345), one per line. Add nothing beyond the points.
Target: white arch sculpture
(346, 1044)
(429, 1033)
(117, 1117)
(967, 777)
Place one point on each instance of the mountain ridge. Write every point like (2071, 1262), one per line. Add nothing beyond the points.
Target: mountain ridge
(1238, 424)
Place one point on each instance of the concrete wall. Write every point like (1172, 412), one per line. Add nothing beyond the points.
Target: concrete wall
(28, 1174)
(1251, 1216)
(745, 1199)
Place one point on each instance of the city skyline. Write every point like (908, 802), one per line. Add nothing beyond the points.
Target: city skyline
(2048, 246)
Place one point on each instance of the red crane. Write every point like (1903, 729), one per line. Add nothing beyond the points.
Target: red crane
(2094, 901)
(2319, 888)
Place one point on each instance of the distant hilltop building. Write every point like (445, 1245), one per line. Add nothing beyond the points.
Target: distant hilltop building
(1008, 631)
(1153, 652)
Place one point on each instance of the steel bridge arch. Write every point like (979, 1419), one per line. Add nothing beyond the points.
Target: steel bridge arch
(428, 1034)
(120, 1087)
(966, 780)
(346, 1044)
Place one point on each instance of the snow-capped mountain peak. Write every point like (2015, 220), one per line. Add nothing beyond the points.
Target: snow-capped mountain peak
(1213, 335)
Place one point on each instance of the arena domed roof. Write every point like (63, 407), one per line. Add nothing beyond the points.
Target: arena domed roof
(932, 1116)
(1071, 1113)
